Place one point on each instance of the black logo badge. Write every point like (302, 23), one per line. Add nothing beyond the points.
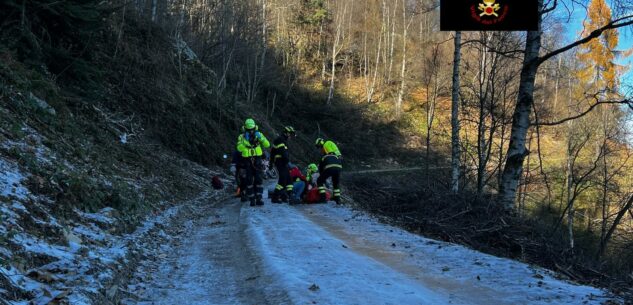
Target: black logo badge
(488, 15)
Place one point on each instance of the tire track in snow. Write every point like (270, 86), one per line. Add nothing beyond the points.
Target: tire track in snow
(213, 265)
(467, 276)
(317, 268)
(459, 292)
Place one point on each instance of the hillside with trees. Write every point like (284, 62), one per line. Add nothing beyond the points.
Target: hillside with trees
(517, 144)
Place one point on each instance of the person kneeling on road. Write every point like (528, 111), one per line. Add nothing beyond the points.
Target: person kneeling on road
(303, 184)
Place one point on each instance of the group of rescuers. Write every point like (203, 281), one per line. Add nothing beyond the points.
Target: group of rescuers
(248, 160)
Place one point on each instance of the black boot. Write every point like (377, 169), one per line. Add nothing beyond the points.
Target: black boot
(259, 200)
(337, 199)
(284, 197)
(243, 196)
(275, 198)
(252, 202)
(322, 198)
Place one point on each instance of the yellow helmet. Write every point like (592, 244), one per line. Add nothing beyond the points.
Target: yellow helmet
(249, 124)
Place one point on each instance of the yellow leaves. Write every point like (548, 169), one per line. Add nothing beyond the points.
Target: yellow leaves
(597, 57)
(599, 15)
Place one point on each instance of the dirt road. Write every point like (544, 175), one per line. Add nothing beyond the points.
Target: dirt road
(213, 265)
(326, 254)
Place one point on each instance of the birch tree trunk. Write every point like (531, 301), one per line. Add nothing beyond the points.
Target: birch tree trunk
(569, 179)
(385, 24)
(264, 35)
(405, 25)
(393, 39)
(336, 48)
(521, 118)
(371, 85)
(517, 150)
(455, 161)
(330, 94)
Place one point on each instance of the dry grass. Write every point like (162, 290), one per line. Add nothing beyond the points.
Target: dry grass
(479, 223)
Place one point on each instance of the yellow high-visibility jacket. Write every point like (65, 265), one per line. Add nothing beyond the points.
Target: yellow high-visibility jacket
(250, 145)
(330, 148)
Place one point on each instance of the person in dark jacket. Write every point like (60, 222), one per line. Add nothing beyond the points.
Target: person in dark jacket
(329, 167)
(280, 157)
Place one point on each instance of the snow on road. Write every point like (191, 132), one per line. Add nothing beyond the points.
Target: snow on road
(208, 263)
(462, 275)
(302, 255)
(326, 254)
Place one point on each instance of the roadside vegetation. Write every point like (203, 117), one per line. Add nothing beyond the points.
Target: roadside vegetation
(121, 90)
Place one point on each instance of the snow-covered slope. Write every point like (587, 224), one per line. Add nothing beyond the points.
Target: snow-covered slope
(80, 268)
(54, 252)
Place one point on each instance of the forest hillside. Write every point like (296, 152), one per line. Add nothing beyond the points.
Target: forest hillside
(512, 143)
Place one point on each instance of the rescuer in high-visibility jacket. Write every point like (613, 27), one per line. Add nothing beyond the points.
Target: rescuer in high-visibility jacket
(310, 171)
(250, 144)
(329, 167)
(280, 158)
(302, 184)
(327, 147)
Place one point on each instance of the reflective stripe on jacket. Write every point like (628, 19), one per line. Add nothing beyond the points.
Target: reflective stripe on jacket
(279, 152)
(329, 161)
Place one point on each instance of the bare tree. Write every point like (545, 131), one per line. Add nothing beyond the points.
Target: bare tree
(433, 87)
(405, 27)
(455, 161)
(626, 208)
(337, 46)
(368, 68)
(521, 119)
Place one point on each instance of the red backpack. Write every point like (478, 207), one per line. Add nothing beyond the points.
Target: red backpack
(217, 183)
(312, 196)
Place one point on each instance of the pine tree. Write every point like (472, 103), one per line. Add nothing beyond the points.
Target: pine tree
(598, 56)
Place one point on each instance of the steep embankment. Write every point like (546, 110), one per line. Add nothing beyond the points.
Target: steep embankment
(71, 228)
(84, 159)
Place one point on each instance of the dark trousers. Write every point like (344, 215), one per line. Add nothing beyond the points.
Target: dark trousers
(335, 174)
(284, 185)
(240, 176)
(252, 178)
